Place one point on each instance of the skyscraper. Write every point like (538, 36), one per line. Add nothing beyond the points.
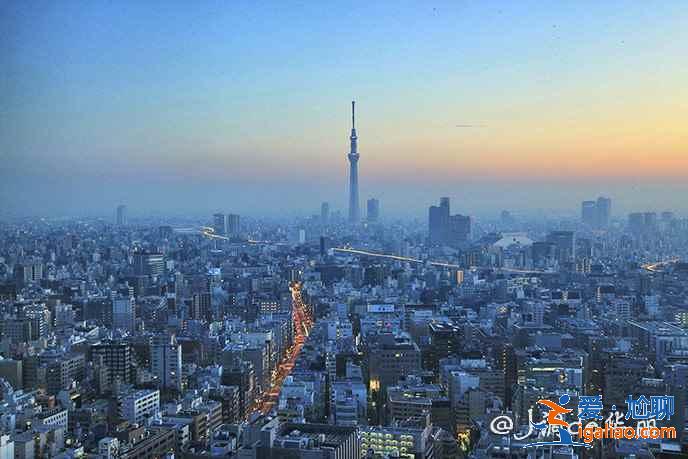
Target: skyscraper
(445, 212)
(565, 241)
(596, 214)
(636, 222)
(604, 211)
(324, 213)
(149, 263)
(233, 225)
(354, 211)
(438, 221)
(444, 228)
(219, 224)
(121, 215)
(373, 208)
(459, 229)
(589, 213)
(444, 203)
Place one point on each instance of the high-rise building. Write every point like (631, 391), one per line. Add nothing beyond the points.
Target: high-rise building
(108, 448)
(391, 358)
(239, 373)
(123, 314)
(667, 216)
(354, 211)
(41, 319)
(301, 441)
(459, 229)
(438, 221)
(62, 370)
(121, 215)
(149, 264)
(604, 212)
(165, 231)
(444, 203)
(324, 245)
(543, 254)
(650, 220)
(29, 271)
(117, 357)
(373, 210)
(220, 224)
(636, 222)
(301, 236)
(565, 241)
(413, 400)
(228, 396)
(166, 362)
(435, 224)
(140, 406)
(589, 213)
(325, 213)
(6, 447)
(445, 340)
(447, 229)
(11, 371)
(233, 225)
(200, 306)
(18, 330)
(642, 222)
(34, 372)
(596, 214)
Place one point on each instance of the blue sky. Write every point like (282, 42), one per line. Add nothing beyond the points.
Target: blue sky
(179, 106)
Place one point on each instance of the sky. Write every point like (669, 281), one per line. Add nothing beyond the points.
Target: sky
(195, 107)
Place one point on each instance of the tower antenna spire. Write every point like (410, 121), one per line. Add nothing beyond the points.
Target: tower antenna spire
(354, 211)
(353, 114)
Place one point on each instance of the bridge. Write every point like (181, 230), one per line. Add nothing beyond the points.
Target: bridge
(429, 262)
(659, 266)
(209, 232)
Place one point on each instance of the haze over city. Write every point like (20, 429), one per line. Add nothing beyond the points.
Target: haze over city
(329, 230)
(189, 107)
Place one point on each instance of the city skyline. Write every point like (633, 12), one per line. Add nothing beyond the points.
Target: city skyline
(207, 252)
(116, 98)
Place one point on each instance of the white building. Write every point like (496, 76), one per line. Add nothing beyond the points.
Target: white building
(55, 417)
(108, 448)
(350, 402)
(6, 447)
(140, 406)
(459, 383)
(166, 363)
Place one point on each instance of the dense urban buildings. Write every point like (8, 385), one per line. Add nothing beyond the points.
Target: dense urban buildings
(248, 342)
